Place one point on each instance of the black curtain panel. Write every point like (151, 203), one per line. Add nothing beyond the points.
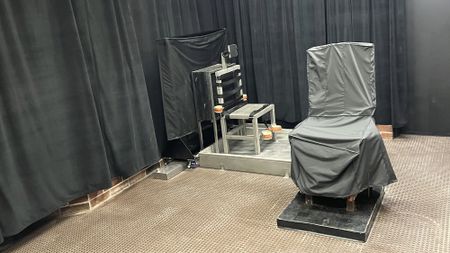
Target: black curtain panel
(273, 37)
(428, 74)
(381, 22)
(178, 57)
(73, 104)
(155, 19)
(113, 62)
(51, 149)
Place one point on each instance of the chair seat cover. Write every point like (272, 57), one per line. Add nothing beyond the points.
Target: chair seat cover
(338, 156)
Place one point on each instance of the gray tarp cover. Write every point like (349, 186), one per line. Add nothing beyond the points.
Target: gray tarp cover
(337, 151)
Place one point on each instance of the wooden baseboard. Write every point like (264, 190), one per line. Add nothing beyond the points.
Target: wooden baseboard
(92, 200)
(386, 131)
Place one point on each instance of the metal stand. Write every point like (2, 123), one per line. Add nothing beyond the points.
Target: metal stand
(244, 113)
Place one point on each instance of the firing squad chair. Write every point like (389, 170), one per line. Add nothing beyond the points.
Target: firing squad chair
(337, 151)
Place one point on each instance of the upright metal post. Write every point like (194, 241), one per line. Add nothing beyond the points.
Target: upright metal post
(200, 134)
(223, 61)
(273, 121)
(213, 114)
(216, 135)
(256, 135)
(242, 130)
(223, 124)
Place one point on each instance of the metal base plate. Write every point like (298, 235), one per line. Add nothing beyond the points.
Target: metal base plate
(169, 170)
(329, 216)
(274, 159)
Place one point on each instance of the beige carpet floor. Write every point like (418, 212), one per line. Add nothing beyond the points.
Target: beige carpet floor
(205, 210)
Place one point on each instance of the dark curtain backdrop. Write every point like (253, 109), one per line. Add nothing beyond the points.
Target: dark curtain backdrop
(274, 35)
(428, 72)
(383, 23)
(178, 57)
(73, 104)
(80, 96)
(155, 19)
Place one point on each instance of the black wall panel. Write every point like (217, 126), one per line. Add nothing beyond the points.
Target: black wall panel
(428, 39)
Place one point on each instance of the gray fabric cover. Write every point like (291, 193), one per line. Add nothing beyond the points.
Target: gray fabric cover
(337, 151)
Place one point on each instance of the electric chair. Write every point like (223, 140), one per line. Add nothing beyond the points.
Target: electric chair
(230, 107)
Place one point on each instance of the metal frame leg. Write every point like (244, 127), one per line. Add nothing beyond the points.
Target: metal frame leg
(309, 200)
(242, 125)
(216, 136)
(200, 134)
(256, 135)
(273, 122)
(223, 125)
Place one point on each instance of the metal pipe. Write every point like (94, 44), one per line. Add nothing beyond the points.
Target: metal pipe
(224, 61)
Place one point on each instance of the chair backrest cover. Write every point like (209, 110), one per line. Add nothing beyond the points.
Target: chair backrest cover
(341, 79)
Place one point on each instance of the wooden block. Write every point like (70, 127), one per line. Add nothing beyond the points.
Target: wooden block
(351, 206)
(385, 128)
(387, 135)
(386, 131)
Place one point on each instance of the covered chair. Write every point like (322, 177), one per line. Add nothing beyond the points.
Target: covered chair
(337, 151)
